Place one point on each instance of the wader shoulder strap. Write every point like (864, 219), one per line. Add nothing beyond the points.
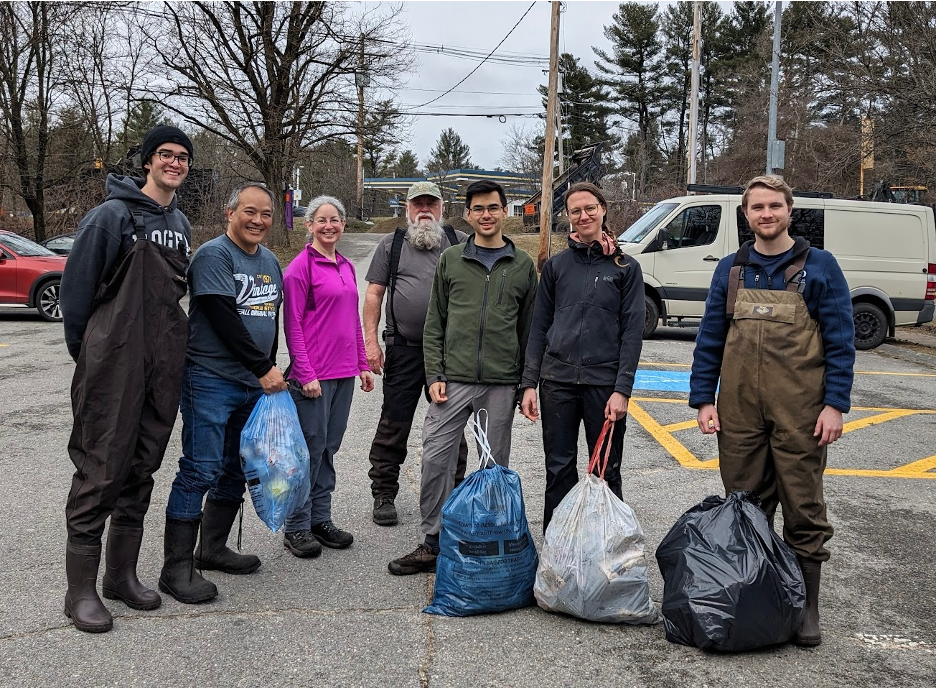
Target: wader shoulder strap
(735, 279)
(794, 275)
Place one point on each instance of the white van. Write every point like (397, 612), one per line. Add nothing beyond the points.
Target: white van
(886, 250)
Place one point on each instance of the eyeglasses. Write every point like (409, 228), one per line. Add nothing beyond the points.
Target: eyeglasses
(166, 156)
(493, 209)
(588, 209)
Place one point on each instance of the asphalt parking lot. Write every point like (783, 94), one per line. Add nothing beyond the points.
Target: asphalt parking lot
(342, 620)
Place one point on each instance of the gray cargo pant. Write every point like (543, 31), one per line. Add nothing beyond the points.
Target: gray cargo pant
(445, 424)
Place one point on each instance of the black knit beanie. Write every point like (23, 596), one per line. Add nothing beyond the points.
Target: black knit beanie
(157, 136)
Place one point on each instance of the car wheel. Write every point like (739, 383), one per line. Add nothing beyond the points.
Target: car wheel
(47, 301)
(870, 326)
(651, 317)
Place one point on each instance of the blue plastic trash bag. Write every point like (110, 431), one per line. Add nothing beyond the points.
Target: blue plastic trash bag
(487, 559)
(593, 564)
(730, 583)
(275, 459)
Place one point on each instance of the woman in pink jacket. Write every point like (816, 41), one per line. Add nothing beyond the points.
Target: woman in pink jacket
(326, 351)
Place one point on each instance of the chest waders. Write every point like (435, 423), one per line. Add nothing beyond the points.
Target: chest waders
(771, 395)
(125, 398)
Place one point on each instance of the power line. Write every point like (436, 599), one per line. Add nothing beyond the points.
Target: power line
(482, 61)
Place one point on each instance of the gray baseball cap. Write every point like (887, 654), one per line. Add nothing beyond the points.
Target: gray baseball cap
(423, 189)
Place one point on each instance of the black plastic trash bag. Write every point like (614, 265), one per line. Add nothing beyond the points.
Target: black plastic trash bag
(730, 583)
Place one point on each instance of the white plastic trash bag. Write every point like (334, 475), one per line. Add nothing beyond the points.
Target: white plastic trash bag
(593, 564)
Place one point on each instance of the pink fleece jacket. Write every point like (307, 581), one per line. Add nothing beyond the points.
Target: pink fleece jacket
(323, 329)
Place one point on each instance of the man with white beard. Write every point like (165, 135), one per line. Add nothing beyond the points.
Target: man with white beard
(404, 262)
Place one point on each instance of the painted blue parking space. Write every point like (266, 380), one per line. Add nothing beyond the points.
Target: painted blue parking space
(662, 381)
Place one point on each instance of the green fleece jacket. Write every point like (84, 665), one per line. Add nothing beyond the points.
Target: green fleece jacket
(478, 321)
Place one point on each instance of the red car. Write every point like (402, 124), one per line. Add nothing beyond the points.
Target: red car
(30, 274)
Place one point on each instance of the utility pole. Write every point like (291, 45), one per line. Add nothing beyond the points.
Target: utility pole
(559, 92)
(774, 149)
(694, 98)
(360, 81)
(546, 197)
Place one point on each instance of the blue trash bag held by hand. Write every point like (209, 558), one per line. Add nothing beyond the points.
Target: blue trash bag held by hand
(487, 559)
(275, 459)
(730, 583)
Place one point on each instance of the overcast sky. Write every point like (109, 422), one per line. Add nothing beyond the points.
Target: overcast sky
(480, 26)
(496, 87)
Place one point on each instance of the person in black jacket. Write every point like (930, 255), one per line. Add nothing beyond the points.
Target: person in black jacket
(127, 333)
(584, 344)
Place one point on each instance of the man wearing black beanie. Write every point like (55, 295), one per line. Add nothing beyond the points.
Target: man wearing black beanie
(128, 334)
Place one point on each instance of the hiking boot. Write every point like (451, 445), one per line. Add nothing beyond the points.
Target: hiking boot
(384, 512)
(420, 560)
(302, 544)
(331, 536)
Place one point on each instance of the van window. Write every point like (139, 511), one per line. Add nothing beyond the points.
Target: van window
(808, 223)
(647, 222)
(696, 226)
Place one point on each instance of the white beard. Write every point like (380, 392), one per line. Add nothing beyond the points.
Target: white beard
(425, 234)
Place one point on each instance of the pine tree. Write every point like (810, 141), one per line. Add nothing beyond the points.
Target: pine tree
(406, 165)
(450, 153)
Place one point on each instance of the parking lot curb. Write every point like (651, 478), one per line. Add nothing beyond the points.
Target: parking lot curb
(910, 355)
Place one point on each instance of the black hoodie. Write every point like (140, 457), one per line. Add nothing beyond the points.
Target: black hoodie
(587, 321)
(104, 234)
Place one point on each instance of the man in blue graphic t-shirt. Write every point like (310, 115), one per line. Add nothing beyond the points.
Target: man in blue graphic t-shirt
(236, 288)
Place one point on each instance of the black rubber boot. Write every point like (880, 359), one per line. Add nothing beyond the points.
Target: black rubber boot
(120, 576)
(179, 577)
(809, 633)
(82, 604)
(212, 553)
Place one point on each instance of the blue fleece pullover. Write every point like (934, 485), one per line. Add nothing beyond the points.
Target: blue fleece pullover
(827, 298)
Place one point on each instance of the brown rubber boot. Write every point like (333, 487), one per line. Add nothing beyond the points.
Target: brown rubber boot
(82, 604)
(120, 577)
(212, 553)
(809, 633)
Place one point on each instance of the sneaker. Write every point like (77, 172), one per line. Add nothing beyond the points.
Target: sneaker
(331, 536)
(302, 543)
(384, 512)
(420, 560)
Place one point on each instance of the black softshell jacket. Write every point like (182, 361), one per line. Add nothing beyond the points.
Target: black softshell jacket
(588, 320)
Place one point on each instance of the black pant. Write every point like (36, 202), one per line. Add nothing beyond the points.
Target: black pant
(562, 407)
(125, 392)
(404, 382)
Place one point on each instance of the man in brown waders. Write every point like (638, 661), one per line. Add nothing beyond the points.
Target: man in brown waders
(127, 332)
(779, 313)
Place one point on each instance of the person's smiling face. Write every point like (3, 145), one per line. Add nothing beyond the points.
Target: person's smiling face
(326, 226)
(251, 220)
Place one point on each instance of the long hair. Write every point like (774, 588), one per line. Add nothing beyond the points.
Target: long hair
(602, 201)
(596, 192)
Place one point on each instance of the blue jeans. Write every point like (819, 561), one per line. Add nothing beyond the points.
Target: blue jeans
(324, 421)
(214, 411)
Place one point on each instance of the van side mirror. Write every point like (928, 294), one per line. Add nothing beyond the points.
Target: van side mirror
(661, 242)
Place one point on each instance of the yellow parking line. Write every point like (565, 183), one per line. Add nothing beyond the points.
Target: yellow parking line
(918, 469)
(923, 468)
(876, 372)
(853, 425)
(685, 457)
(667, 365)
(685, 425)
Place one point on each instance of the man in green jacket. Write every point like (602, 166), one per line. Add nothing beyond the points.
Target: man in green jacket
(476, 331)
